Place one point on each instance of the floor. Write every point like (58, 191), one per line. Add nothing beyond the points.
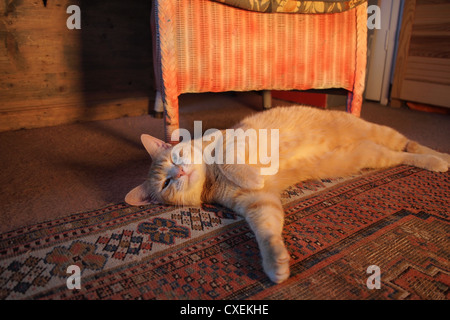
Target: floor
(53, 172)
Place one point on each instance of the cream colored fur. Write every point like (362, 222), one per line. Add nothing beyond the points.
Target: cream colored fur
(313, 144)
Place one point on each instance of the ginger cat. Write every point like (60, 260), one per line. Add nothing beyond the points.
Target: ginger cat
(313, 144)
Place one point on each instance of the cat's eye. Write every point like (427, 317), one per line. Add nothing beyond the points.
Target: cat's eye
(176, 157)
(166, 183)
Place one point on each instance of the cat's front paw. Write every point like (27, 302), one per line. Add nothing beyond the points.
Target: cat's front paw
(255, 182)
(276, 262)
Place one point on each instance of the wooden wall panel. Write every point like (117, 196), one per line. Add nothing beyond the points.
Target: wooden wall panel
(423, 60)
(51, 75)
(429, 70)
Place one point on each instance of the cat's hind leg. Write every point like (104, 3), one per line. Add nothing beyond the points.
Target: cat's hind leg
(388, 137)
(265, 216)
(396, 141)
(372, 155)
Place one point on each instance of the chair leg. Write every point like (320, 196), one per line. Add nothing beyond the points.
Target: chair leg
(267, 99)
(348, 106)
(354, 103)
(355, 98)
(159, 106)
(171, 119)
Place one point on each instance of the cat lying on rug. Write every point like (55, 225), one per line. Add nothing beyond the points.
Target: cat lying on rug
(312, 144)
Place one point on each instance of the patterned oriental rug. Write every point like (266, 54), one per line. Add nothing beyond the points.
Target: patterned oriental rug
(395, 219)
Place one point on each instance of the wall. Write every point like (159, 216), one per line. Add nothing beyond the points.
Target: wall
(51, 75)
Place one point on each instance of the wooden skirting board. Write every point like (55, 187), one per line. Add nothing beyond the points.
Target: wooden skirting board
(52, 115)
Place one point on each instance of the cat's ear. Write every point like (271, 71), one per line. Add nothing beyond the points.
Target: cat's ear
(139, 196)
(153, 145)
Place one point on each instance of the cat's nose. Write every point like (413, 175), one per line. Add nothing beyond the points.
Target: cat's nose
(180, 173)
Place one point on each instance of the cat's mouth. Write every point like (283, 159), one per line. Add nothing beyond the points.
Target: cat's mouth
(192, 175)
(189, 173)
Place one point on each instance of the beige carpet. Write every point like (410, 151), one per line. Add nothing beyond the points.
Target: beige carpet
(53, 172)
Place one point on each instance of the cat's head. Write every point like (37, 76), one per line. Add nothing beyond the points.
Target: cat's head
(168, 182)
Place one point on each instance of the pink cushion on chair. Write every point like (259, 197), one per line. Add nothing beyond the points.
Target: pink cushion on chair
(292, 6)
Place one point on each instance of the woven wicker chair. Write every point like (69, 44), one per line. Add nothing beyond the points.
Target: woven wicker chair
(205, 46)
